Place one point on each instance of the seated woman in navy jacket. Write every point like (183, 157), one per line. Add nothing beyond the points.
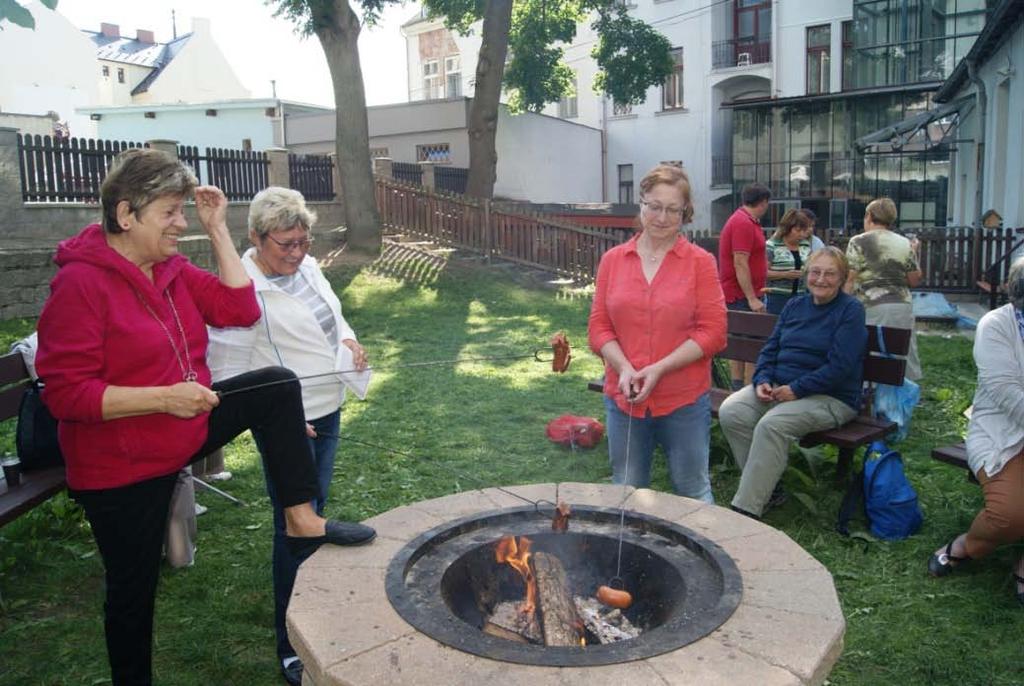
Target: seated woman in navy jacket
(808, 378)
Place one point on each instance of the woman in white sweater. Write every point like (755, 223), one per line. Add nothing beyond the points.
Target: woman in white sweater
(301, 328)
(995, 437)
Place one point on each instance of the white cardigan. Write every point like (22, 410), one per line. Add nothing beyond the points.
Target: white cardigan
(996, 430)
(286, 335)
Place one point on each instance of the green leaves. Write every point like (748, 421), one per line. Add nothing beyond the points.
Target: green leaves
(16, 14)
(631, 57)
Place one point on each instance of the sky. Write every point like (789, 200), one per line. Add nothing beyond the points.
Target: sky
(261, 47)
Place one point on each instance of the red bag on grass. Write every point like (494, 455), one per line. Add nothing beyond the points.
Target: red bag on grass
(585, 432)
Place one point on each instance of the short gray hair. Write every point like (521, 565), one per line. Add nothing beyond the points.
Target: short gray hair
(276, 208)
(1015, 284)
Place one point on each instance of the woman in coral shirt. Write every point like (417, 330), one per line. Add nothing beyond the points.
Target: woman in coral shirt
(657, 319)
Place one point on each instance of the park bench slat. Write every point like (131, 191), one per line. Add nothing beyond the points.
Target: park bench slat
(955, 455)
(38, 486)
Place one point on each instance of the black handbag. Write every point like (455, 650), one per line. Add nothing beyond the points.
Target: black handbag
(36, 434)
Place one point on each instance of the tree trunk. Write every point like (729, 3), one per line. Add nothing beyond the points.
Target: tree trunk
(483, 113)
(352, 135)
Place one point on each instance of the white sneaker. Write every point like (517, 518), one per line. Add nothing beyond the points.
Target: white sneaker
(201, 509)
(219, 476)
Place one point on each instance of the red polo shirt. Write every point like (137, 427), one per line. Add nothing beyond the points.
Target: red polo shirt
(649, 321)
(742, 233)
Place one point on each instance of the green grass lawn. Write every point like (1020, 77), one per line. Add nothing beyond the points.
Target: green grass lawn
(459, 427)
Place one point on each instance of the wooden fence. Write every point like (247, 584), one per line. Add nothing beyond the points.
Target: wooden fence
(312, 175)
(65, 170)
(953, 259)
(72, 170)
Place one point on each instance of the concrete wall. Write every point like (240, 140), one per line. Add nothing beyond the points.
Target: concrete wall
(28, 124)
(199, 73)
(545, 159)
(60, 77)
(113, 93)
(1004, 141)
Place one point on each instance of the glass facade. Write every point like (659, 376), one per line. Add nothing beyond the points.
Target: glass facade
(804, 153)
(900, 42)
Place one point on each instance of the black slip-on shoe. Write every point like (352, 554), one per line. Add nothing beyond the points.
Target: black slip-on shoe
(941, 564)
(293, 673)
(337, 533)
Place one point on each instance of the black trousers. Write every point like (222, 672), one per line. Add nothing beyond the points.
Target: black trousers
(128, 522)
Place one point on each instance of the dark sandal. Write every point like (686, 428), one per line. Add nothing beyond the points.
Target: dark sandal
(939, 564)
(1020, 594)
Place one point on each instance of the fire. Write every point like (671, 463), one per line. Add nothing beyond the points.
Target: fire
(517, 554)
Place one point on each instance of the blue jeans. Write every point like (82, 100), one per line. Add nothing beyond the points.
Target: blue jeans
(684, 435)
(285, 566)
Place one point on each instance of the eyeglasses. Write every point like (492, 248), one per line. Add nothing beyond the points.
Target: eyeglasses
(830, 274)
(288, 246)
(656, 209)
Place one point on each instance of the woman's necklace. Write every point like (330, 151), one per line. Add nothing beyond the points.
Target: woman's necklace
(651, 255)
(185, 363)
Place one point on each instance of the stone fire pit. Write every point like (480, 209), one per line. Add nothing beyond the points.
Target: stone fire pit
(788, 628)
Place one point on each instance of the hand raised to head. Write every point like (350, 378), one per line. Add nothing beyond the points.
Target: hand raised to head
(212, 208)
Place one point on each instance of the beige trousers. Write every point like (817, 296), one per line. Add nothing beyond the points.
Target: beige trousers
(760, 435)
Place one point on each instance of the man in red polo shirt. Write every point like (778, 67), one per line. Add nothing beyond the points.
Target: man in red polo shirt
(743, 265)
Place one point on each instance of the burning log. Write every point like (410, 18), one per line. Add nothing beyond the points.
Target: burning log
(609, 625)
(510, 622)
(559, 620)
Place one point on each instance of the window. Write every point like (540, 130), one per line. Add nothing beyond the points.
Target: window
(568, 105)
(106, 71)
(626, 184)
(672, 91)
(120, 75)
(621, 110)
(434, 152)
(819, 42)
(453, 76)
(847, 55)
(431, 81)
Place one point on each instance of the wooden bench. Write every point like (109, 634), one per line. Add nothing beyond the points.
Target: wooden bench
(37, 486)
(955, 455)
(747, 334)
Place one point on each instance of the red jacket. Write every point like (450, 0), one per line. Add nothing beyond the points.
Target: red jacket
(95, 332)
(649, 321)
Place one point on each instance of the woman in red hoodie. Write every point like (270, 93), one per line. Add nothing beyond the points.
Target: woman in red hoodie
(122, 353)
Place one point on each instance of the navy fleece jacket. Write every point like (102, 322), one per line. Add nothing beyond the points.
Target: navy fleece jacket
(817, 349)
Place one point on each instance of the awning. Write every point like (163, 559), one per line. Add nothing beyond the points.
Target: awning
(921, 132)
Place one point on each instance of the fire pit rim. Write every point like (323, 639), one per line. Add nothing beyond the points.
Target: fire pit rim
(665, 638)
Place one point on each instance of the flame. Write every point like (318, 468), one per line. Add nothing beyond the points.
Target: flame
(517, 554)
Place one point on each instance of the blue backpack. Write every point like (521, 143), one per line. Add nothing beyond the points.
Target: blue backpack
(890, 502)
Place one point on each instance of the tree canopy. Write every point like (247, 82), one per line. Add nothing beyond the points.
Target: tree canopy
(16, 13)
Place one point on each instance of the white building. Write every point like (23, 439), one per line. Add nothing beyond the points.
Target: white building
(540, 158)
(64, 72)
(250, 124)
(724, 52)
(992, 128)
(56, 79)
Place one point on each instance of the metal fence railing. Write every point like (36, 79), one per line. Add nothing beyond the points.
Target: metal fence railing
(312, 175)
(407, 172)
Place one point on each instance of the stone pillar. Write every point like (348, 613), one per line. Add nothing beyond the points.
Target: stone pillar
(335, 175)
(10, 180)
(277, 174)
(382, 167)
(427, 180)
(168, 146)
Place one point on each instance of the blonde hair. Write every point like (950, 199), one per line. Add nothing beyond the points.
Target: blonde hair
(882, 212)
(276, 208)
(670, 175)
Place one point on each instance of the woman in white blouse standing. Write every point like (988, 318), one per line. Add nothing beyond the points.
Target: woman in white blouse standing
(301, 328)
(995, 437)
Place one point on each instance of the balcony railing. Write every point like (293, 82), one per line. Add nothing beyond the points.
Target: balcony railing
(739, 52)
(721, 170)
